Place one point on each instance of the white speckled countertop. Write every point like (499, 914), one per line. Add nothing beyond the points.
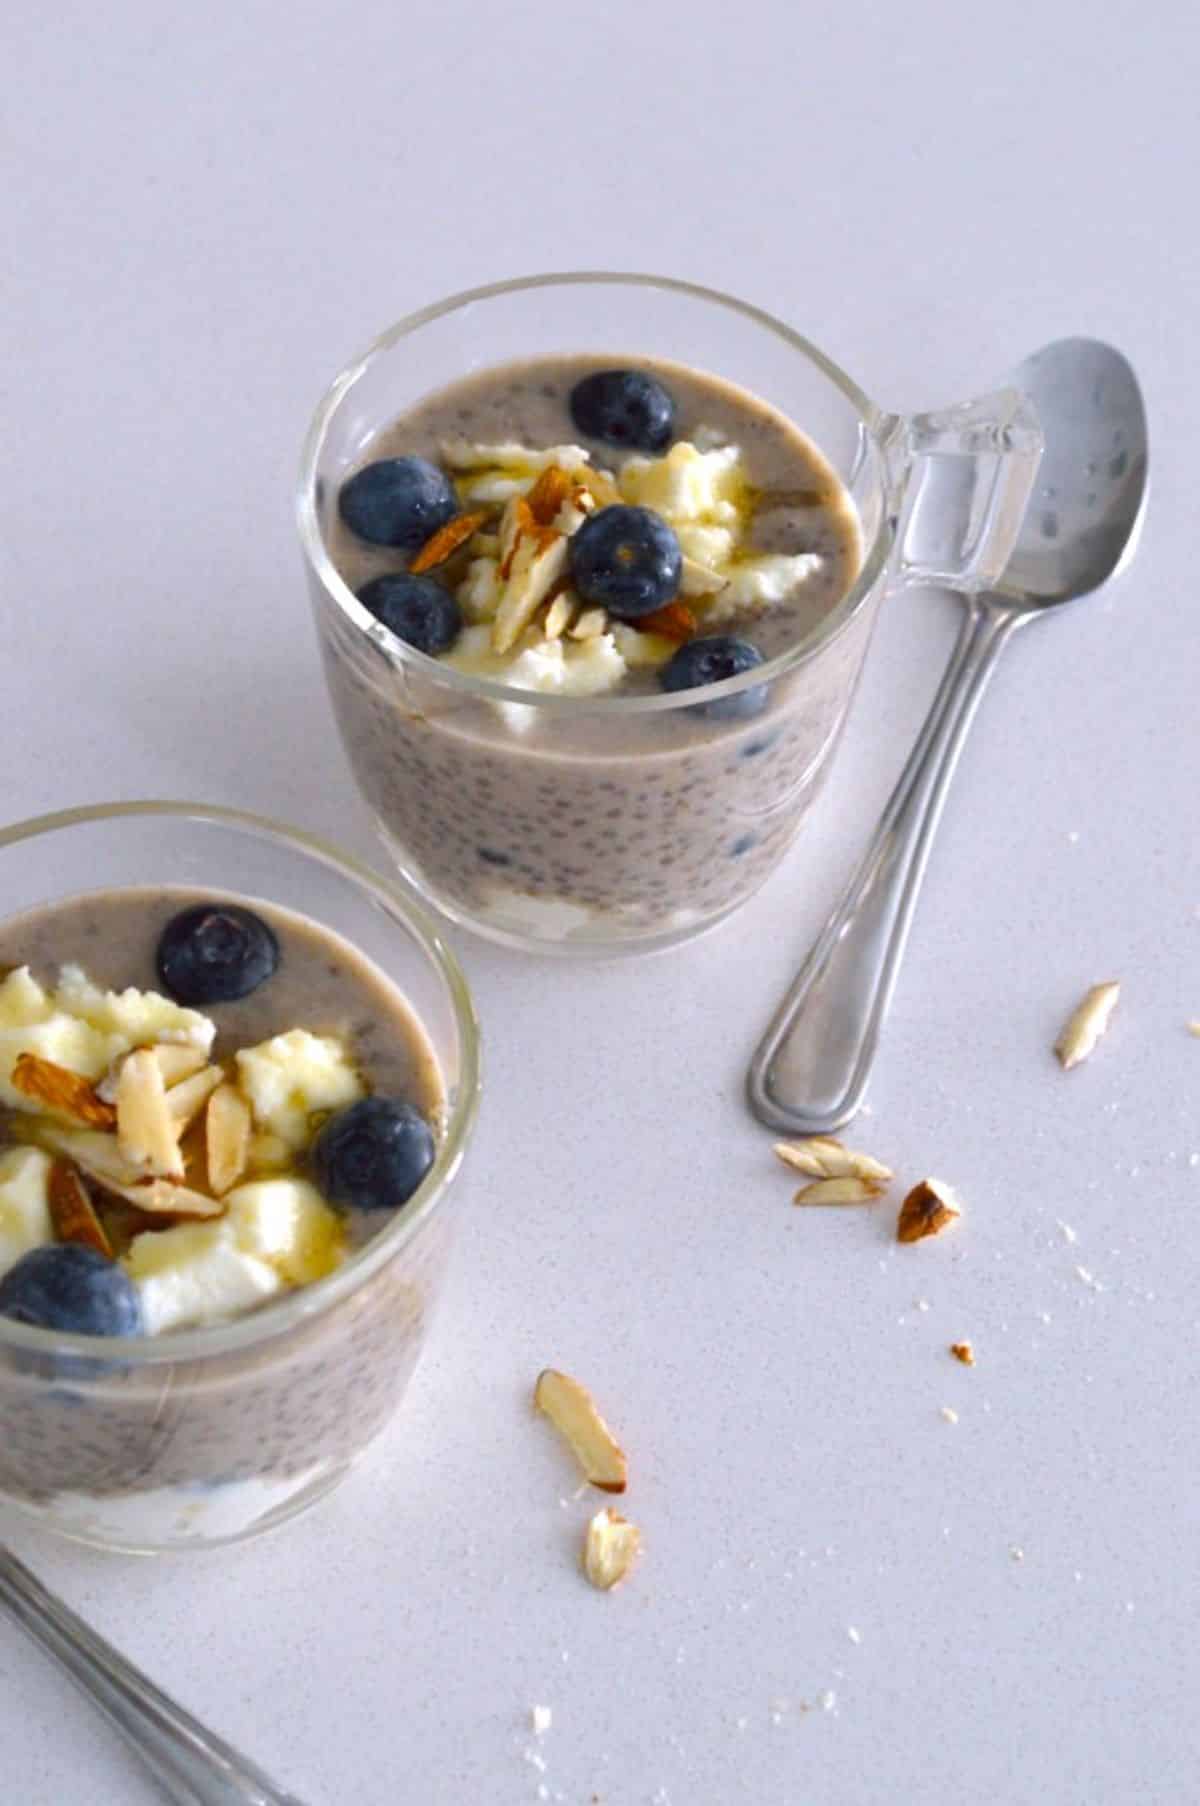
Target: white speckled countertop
(203, 217)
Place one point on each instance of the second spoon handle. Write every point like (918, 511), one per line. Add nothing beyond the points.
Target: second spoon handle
(191, 1765)
(811, 1068)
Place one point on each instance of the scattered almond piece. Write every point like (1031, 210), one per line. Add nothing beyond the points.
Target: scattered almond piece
(1086, 1024)
(1193, 1027)
(697, 580)
(538, 561)
(610, 1549)
(824, 1157)
(185, 1101)
(590, 625)
(176, 1062)
(573, 1412)
(516, 520)
(146, 1132)
(62, 1091)
(928, 1209)
(72, 1211)
(558, 616)
(447, 540)
(843, 1190)
(227, 1129)
(598, 484)
(675, 622)
(964, 1352)
(548, 494)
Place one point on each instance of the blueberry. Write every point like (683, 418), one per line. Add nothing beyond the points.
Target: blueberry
(626, 560)
(416, 609)
(66, 1286)
(373, 1155)
(624, 407)
(708, 661)
(215, 952)
(398, 502)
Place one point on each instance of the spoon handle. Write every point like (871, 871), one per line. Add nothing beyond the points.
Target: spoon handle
(192, 1766)
(811, 1068)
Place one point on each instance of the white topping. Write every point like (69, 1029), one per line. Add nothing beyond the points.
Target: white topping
(134, 1016)
(479, 591)
(62, 1039)
(762, 580)
(287, 1223)
(196, 1274)
(462, 454)
(713, 546)
(24, 1203)
(688, 485)
(289, 1078)
(22, 1000)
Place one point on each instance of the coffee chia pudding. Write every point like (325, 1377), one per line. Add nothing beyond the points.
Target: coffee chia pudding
(207, 1104)
(609, 535)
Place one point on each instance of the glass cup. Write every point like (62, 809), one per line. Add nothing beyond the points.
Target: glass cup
(206, 1436)
(633, 822)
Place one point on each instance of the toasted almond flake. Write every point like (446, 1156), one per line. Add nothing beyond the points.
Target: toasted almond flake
(164, 1198)
(928, 1209)
(824, 1157)
(72, 1211)
(186, 1101)
(538, 563)
(62, 1091)
(610, 1548)
(146, 1132)
(697, 579)
(1086, 1024)
(573, 1412)
(93, 1152)
(590, 625)
(227, 1129)
(558, 616)
(176, 1062)
(964, 1352)
(839, 1191)
(548, 494)
(675, 622)
(446, 541)
(516, 521)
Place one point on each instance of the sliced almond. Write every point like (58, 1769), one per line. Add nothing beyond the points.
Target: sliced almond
(548, 494)
(610, 1548)
(72, 1211)
(964, 1352)
(573, 1412)
(62, 1091)
(164, 1198)
(538, 563)
(176, 1061)
(675, 622)
(590, 625)
(1086, 1024)
(697, 579)
(839, 1191)
(514, 522)
(824, 1157)
(186, 1101)
(101, 1159)
(447, 540)
(559, 616)
(929, 1208)
(146, 1132)
(227, 1130)
(599, 484)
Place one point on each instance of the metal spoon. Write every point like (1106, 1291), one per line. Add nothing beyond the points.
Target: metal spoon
(811, 1068)
(191, 1765)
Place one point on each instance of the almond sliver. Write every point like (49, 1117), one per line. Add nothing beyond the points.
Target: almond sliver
(824, 1157)
(839, 1191)
(227, 1130)
(573, 1412)
(146, 1132)
(72, 1212)
(548, 494)
(610, 1548)
(177, 1062)
(447, 540)
(186, 1101)
(62, 1091)
(1087, 1022)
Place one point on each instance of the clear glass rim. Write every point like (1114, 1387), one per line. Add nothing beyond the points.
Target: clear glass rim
(313, 1300)
(489, 689)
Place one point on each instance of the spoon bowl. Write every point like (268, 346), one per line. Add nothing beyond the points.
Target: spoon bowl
(811, 1068)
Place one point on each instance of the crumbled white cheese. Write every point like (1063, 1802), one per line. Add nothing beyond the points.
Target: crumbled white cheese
(762, 580)
(24, 1203)
(479, 591)
(289, 1078)
(287, 1223)
(195, 1274)
(462, 454)
(688, 485)
(138, 1017)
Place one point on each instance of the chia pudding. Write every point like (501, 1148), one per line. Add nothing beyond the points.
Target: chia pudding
(603, 811)
(216, 1441)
